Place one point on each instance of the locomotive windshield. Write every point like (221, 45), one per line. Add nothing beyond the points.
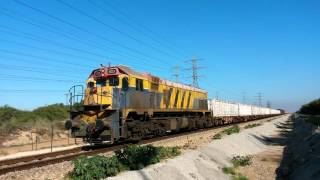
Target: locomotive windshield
(101, 82)
(111, 81)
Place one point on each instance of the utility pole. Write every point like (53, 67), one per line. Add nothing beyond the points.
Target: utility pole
(176, 74)
(259, 97)
(243, 97)
(194, 68)
(217, 95)
(268, 104)
(67, 99)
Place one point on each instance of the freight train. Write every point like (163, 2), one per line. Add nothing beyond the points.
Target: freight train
(120, 104)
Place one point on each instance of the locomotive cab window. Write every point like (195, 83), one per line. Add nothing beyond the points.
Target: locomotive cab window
(101, 82)
(90, 84)
(139, 84)
(113, 81)
(125, 84)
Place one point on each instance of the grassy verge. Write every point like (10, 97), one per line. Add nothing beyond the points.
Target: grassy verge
(217, 136)
(236, 162)
(228, 131)
(252, 125)
(129, 158)
(232, 130)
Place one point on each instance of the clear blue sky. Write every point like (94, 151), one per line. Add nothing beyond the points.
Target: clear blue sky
(246, 47)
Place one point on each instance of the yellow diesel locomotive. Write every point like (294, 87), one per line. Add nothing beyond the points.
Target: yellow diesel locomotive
(119, 103)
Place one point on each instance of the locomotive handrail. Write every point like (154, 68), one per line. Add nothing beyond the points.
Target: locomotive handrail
(74, 95)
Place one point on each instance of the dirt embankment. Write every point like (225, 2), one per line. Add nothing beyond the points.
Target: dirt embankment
(301, 156)
(208, 161)
(293, 154)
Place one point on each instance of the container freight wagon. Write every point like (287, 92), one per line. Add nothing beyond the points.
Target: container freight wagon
(229, 111)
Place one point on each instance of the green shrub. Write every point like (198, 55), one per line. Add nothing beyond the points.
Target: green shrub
(137, 157)
(252, 125)
(13, 119)
(314, 120)
(96, 167)
(217, 136)
(312, 108)
(168, 152)
(232, 130)
(229, 170)
(239, 177)
(129, 158)
(52, 112)
(241, 161)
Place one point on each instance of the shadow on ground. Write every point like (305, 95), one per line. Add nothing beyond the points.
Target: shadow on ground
(301, 155)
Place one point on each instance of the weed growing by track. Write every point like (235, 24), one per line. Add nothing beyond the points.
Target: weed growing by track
(237, 161)
(217, 136)
(129, 158)
(239, 177)
(232, 130)
(241, 161)
(252, 125)
(229, 170)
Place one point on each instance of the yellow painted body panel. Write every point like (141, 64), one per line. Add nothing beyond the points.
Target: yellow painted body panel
(103, 95)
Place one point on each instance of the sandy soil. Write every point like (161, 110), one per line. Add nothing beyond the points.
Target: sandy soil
(202, 157)
(264, 164)
(21, 143)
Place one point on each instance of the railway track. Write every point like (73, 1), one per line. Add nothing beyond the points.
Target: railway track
(28, 162)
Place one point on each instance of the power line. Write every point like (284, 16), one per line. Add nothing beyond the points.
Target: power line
(176, 73)
(38, 57)
(36, 70)
(217, 95)
(83, 29)
(268, 104)
(112, 28)
(44, 40)
(243, 97)
(145, 28)
(194, 68)
(33, 37)
(9, 76)
(259, 98)
(44, 49)
(30, 90)
(133, 25)
(69, 35)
